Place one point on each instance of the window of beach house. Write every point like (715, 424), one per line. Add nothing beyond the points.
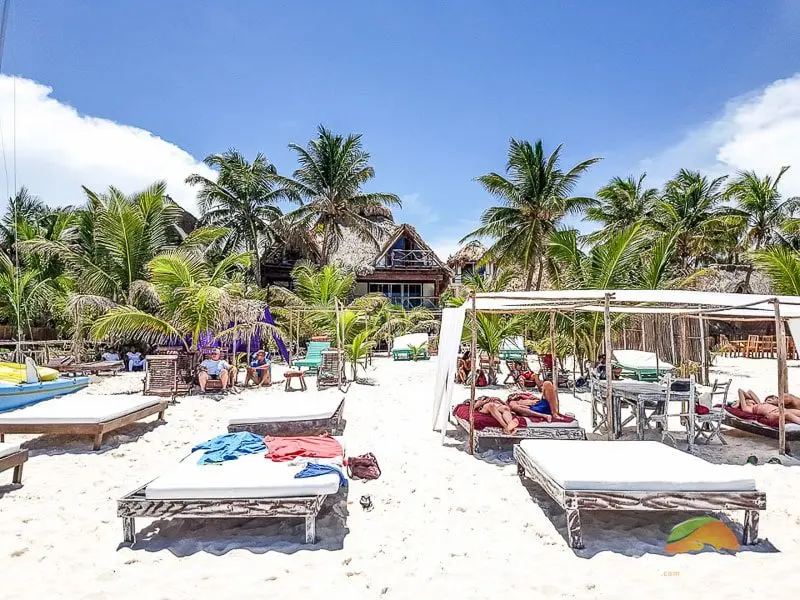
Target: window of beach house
(406, 294)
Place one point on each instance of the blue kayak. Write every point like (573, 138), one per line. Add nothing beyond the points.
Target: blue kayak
(17, 395)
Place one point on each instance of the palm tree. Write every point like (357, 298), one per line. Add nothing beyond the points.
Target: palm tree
(492, 330)
(333, 170)
(393, 320)
(691, 208)
(535, 195)
(623, 202)
(24, 296)
(242, 200)
(108, 243)
(24, 210)
(783, 267)
(193, 297)
(761, 210)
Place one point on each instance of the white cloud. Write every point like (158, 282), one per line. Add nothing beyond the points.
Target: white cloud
(58, 150)
(758, 131)
(416, 211)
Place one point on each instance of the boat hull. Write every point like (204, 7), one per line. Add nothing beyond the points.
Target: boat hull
(13, 396)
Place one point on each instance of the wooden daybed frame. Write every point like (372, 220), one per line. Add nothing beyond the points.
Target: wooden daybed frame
(333, 425)
(573, 501)
(98, 430)
(753, 426)
(14, 460)
(136, 504)
(523, 433)
(96, 367)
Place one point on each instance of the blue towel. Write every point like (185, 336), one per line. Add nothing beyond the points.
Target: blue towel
(316, 469)
(230, 447)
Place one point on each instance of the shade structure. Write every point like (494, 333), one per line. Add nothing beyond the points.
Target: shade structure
(709, 305)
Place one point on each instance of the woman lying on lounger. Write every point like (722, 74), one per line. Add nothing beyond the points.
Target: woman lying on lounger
(499, 410)
(749, 403)
(533, 405)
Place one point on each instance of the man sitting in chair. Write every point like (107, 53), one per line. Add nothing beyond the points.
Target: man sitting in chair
(259, 370)
(216, 368)
(543, 406)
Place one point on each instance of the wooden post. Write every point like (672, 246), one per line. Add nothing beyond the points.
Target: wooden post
(473, 360)
(783, 376)
(339, 344)
(625, 338)
(609, 372)
(574, 351)
(289, 349)
(553, 349)
(703, 350)
(684, 340)
(674, 355)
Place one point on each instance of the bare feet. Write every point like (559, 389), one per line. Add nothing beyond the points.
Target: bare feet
(512, 427)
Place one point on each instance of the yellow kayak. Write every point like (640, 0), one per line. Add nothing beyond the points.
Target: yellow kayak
(15, 373)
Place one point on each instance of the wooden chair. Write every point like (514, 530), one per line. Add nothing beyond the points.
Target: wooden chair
(708, 426)
(751, 347)
(599, 407)
(331, 369)
(767, 346)
(168, 375)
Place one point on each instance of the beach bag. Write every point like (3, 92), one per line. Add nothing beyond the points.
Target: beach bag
(482, 381)
(363, 467)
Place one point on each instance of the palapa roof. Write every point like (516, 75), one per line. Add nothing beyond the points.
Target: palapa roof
(469, 253)
(731, 278)
(362, 255)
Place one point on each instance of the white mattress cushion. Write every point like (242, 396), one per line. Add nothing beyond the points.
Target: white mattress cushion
(6, 449)
(78, 409)
(281, 410)
(638, 359)
(249, 476)
(631, 466)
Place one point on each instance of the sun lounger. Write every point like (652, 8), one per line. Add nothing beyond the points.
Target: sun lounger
(486, 428)
(758, 425)
(638, 475)
(13, 457)
(248, 487)
(88, 368)
(641, 365)
(314, 416)
(401, 347)
(313, 358)
(512, 349)
(84, 415)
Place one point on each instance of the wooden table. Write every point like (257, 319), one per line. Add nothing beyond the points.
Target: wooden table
(640, 395)
(299, 375)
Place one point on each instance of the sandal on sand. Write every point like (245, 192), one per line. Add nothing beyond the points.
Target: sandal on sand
(774, 461)
(752, 460)
(366, 503)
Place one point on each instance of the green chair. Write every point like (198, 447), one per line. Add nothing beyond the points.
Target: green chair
(313, 358)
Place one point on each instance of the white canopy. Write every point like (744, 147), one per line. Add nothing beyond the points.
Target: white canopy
(687, 302)
(403, 342)
(711, 305)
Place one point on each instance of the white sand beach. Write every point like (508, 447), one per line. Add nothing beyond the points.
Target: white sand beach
(444, 524)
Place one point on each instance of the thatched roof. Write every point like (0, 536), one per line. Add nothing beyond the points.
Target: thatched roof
(378, 213)
(361, 255)
(731, 278)
(471, 252)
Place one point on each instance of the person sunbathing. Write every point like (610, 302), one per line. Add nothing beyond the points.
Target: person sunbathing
(524, 376)
(500, 411)
(750, 403)
(534, 405)
(464, 368)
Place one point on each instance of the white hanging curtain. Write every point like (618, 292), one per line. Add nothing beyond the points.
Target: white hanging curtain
(449, 342)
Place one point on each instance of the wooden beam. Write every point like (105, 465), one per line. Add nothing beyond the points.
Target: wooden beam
(473, 360)
(703, 349)
(553, 349)
(609, 372)
(783, 376)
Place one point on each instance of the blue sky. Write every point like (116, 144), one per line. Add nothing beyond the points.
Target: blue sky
(436, 88)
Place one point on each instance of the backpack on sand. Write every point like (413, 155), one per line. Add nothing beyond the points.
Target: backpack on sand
(363, 467)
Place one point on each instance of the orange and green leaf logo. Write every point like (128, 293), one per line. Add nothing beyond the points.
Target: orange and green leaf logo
(697, 533)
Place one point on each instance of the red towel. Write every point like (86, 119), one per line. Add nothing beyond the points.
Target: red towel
(738, 412)
(483, 421)
(282, 449)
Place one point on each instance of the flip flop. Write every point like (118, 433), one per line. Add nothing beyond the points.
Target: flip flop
(774, 461)
(366, 503)
(752, 460)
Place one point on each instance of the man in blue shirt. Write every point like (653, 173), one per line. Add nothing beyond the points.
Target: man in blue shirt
(216, 368)
(259, 370)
